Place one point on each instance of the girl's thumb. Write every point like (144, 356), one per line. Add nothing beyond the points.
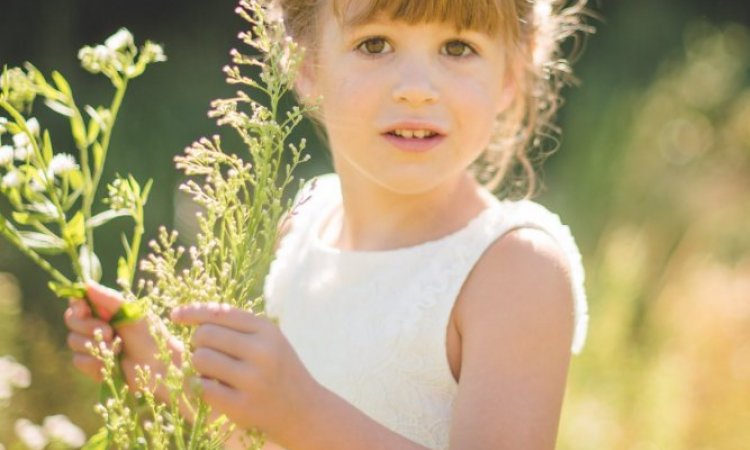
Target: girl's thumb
(106, 301)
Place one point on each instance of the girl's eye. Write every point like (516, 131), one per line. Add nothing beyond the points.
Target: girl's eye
(458, 49)
(373, 46)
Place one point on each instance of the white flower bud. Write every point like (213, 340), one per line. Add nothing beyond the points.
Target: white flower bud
(153, 52)
(6, 155)
(62, 163)
(60, 428)
(31, 435)
(36, 186)
(33, 125)
(120, 40)
(21, 139)
(12, 179)
(5, 391)
(23, 153)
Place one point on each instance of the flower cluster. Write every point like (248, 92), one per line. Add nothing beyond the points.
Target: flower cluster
(12, 375)
(52, 193)
(118, 57)
(241, 203)
(56, 431)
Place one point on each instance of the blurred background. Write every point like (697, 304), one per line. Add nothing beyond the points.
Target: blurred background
(653, 177)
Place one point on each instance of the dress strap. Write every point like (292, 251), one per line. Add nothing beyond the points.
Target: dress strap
(513, 215)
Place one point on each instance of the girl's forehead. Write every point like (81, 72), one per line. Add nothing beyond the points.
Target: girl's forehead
(487, 16)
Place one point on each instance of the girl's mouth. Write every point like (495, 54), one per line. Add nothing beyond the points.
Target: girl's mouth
(414, 141)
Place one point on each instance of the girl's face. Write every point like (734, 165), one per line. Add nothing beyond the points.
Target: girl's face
(387, 78)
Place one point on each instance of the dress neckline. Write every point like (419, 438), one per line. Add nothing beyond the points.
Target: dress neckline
(326, 211)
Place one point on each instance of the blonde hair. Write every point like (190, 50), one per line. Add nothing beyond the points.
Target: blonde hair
(534, 31)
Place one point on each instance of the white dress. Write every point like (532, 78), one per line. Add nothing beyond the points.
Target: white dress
(371, 325)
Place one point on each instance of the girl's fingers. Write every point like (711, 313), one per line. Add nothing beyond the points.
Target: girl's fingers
(218, 314)
(222, 398)
(79, 343)
(236, 344)
(217, 365)
(89, 365)
(87, 326)
(106, 301)
(79, 308)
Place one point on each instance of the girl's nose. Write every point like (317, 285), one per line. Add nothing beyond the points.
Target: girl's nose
(415, 85)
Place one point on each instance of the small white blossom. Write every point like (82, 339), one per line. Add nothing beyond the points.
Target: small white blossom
(12, 179)
(21, 139)
(95, 59)
(3, 122)
(23, 153)
(36, 186)
(6, 155)
(60, 428)
(104, 55)
(120, 40)
(14, 373)
(31, 435)
(6, 391)
(62, 163)
(33, 125)
(153, 52)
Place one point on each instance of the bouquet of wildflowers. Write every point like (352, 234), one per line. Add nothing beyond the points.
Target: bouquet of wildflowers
(242, 203)
(50, 194)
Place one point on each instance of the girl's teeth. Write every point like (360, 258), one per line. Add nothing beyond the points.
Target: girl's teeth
(409, 134)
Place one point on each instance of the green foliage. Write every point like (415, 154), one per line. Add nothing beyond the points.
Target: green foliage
(52, 194)
(241, 206)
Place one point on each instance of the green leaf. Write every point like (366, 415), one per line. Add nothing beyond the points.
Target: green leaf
(90, 264)
(76, 290)
(42, 243)
(104, 217)
(93, 132)
(59, 108)
(62, 84)
(46, 211)
(128, 313)
(98, 441)
(134, 186)
(23, 218)
(123, 271)
(98, 152)
(146, 191)
(75, 178)
(75, 230)
(79, 130)
(47, 148)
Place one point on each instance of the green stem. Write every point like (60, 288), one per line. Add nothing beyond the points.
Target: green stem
(88, 198)
(14, 239)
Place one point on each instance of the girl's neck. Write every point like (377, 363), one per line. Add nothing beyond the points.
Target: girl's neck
(374, 218)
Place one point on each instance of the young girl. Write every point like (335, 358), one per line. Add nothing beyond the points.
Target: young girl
(415, 310)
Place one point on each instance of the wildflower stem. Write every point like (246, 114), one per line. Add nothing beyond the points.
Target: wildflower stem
(15, 240)
(88, 199)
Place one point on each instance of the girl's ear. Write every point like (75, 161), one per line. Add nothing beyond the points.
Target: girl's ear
(509, 91)
(305, 83)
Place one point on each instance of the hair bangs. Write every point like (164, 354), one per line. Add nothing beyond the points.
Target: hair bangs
(477, 15)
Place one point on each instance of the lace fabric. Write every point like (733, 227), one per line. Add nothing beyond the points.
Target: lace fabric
(371, 325)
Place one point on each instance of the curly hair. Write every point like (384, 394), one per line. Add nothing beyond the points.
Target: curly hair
(534, 31)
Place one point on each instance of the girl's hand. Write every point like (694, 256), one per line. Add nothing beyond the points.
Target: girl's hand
(138, 346)
(249, 370)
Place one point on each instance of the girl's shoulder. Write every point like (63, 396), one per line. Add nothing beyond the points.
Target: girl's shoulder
(531, 246)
